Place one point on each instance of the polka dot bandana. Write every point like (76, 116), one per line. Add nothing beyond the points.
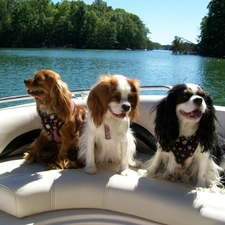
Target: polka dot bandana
(185, 148)
(51, 123)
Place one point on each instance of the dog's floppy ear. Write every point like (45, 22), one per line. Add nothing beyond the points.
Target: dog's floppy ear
(61, 100)
(207, 125)
(135, 99)
(166, 122)
(98, 100)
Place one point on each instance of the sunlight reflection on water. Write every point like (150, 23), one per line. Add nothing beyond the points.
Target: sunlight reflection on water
(81, 68)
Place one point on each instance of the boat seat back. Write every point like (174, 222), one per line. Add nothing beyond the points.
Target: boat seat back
(19, 126)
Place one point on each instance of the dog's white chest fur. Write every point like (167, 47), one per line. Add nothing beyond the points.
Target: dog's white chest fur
(108, 145)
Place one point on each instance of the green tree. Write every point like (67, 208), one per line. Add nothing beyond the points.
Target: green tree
(41, 23)
(79, 21)
(6, 30)
(182, 46)
(62, 31)
(212, 37)
(141, 33)
(45, 14)
(126, 32)
(100, 7)
(176, 45)
(23, 23)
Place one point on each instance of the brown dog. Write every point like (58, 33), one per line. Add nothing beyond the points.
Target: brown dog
(61, 120)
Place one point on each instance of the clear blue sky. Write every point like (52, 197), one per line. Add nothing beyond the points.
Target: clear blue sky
(165, 18)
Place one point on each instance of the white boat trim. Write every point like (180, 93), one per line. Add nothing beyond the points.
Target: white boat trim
(81, 92)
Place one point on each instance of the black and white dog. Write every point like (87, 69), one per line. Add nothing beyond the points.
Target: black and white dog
(185, 131)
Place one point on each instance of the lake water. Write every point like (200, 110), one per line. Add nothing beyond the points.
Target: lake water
(81, 68)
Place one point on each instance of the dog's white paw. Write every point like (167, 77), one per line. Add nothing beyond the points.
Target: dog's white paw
(143, 173)
(212, 189)
(129, 172)
(90, 170)
(146, 173)
(135, 163)
(29, 157)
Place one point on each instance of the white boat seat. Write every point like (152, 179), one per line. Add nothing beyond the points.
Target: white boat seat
(27, 189)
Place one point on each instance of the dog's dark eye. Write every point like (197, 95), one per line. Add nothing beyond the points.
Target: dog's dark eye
(131, 99)
(186, 97)
(116, 98)
(38, 79)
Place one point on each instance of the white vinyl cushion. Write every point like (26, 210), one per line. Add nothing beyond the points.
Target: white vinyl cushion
(28, 189)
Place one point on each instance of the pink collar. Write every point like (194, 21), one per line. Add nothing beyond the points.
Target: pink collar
(107, 132)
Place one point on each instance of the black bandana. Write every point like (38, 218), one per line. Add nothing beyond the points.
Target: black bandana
(185, 148)
(51, 123)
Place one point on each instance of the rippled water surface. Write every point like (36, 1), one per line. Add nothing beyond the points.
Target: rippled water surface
(81, 68)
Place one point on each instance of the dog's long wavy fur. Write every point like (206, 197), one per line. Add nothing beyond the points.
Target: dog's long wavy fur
(167, 130)
(53, 96)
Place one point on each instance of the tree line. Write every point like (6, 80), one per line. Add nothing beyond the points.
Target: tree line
(41, 23)
(212, 37)
(211, 41)
(183, 46)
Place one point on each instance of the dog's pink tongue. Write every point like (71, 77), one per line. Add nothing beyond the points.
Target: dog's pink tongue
(197, 113)
(122, 115)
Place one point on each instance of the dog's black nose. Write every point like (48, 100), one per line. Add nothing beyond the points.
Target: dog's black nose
(25, 81)
(126, 107)
(198, 101)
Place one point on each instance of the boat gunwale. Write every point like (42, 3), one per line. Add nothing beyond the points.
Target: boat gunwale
(82, 92)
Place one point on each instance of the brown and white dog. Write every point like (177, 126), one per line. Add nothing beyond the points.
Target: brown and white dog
(61, 120)
(185, 131)
(113, 105)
